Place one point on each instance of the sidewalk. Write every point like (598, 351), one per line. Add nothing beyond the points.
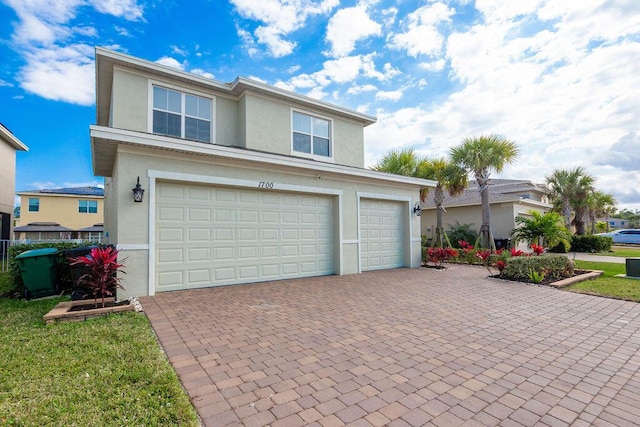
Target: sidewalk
(583, 256)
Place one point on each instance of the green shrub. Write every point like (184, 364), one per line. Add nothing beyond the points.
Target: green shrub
(462, 232)
(561, 248)
(519, 268)
(591, 243)
(15, 286)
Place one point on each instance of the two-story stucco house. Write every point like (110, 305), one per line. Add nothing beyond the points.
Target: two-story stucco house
(244, 182)
(9, 144)
(61, 213)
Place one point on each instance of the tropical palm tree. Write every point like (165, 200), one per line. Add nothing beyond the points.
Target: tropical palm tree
(399, 162)
(600, 205)
(541, 229)
(449, 177)
(480, 155)
(570, 189)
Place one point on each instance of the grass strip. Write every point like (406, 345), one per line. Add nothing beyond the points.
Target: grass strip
(108, 371)
(608, 285)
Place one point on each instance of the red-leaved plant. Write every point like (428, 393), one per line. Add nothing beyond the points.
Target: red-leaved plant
(537, 249)
(103, 265)
(516, 252)
(438, 255)
(501, 265)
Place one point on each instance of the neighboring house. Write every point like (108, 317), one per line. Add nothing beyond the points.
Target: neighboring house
(244, 182)
(615, 223)
(61, 214)
(9, 144)
(508, 199)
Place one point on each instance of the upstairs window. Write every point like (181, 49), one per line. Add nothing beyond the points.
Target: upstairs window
(87, 206)
(311, 135)
(181, 115)
(34, 204)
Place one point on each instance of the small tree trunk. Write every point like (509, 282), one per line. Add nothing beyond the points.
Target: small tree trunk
(485, 235)
(439, 199)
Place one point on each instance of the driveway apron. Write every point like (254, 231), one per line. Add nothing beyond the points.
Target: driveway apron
(405, 347)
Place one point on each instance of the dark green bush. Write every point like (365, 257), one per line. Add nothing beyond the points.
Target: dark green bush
(459, 232)
(591, 243)
(16, 287)
(561, 248)
(519, 268)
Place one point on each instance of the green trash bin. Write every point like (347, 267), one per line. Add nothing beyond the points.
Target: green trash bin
(39, 272)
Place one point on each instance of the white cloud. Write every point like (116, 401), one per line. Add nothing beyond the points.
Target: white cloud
(394, 95)
(354, 90)
(422, 36)
(170, 62)
(4, 83)
(279, 19)
(348, 26)
(56, 68)
(202, 73)
(60, 74)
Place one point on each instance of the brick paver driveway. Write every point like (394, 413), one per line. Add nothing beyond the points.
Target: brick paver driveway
(402, 347)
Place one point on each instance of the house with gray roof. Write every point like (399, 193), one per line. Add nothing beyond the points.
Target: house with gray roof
(509, 198)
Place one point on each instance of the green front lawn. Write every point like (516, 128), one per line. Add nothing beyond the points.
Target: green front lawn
(608, 285)
(623, 251)
(108, 371)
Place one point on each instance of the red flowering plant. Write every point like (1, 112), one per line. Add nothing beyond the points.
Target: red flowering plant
(537, 249)
(103, 265)
(468, 250)
(515, 252)
(438, 255)
(501, 265)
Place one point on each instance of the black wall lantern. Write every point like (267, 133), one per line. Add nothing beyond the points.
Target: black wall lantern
(138, 192)
(417, 209)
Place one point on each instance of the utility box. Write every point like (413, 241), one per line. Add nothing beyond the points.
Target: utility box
(39, 272)
(633, 267)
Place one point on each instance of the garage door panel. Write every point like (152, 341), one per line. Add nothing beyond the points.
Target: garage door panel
(381, 234)
(226, 235)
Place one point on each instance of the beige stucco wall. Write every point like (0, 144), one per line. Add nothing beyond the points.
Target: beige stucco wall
(253, 122)
(502, 217)
(61, 209)
(7, 177)
(133, 218)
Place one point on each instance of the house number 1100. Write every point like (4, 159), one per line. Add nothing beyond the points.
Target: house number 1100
(265, 184)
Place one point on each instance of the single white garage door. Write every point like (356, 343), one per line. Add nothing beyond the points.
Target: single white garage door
(382, 234)
(210, 236)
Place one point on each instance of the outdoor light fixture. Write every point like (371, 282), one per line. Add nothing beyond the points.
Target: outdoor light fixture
(417, 209)
(138, 192)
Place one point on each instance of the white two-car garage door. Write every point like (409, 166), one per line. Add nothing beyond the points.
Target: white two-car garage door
(210, 236)
(382, 234)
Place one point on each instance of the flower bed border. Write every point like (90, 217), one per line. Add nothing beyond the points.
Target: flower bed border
(61, 313)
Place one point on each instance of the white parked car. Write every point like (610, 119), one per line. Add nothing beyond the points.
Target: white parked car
(623, 236)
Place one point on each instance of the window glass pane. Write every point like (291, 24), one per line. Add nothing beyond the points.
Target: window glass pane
(174, 125)
(301, 143)
(191, 105)
(160, 122)
(82, 206)
(159, 98)
(204, 108)
(321, 127)
(34, 204)
(174, 101)
(321, 147)
(301, 122)
(166, 124)
(204, 131)
(93, 206)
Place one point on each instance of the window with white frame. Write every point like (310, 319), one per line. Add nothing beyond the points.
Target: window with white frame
(311, 135)
(87, 206)
(182, 115)
(34, 204)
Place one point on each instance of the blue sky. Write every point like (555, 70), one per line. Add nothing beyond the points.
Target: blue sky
(560, 78)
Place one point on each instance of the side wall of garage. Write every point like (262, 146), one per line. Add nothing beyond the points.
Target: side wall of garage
(136, 228)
